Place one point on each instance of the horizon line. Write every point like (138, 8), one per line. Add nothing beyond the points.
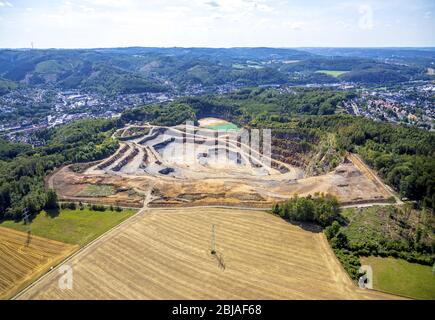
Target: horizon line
(217, 47)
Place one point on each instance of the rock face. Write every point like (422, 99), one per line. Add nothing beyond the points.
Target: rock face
(126, 160)
(163, 144)
(114, 158)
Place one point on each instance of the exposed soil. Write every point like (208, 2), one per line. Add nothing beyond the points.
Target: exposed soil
(192, 166)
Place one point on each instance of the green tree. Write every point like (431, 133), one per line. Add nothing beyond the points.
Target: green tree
(51, 202)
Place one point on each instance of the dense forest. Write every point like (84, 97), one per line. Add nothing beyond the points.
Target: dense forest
(165, 115)
(358, 70)
(136, 70)
(256, 104)
(22, 169)
(321, 209)
(245, 106)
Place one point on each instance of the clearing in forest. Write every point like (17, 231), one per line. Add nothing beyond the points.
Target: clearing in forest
(333, 73)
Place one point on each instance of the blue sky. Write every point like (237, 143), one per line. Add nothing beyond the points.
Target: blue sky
(216, 23)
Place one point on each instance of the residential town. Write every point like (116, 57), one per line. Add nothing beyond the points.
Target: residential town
(411, 104)
(28, 109)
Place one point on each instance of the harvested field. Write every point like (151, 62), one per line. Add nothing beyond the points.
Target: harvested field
(165, 254)
(25, 257)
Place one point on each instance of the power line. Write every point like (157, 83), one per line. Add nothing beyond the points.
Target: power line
(26, 219)
(213, 240)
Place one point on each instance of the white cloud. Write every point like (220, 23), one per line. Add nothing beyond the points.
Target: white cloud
(110, 3)
(365, 21)
(5, 4)
(238, 5)
(213, 4)
(295, 25)
(343, 25)
(223, 23)
(179, 9)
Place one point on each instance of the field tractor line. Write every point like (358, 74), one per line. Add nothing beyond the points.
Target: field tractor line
(106, 234)
(148, 198)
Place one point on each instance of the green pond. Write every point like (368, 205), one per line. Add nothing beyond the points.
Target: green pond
(224, 127)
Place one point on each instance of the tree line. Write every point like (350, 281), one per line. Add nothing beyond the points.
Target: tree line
(417, 246)
(22, 173)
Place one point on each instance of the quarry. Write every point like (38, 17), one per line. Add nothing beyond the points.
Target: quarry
(188, 165)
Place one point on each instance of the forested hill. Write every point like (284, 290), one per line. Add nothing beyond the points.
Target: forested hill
(135, 70)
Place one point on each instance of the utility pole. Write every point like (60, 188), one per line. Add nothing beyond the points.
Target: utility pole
(213, 240)
(27, 222)
(26, 219)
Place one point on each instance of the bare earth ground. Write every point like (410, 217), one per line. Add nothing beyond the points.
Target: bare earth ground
(165, 254)
(200, 178)
(24, 258)
(204, 122)
(347, 182)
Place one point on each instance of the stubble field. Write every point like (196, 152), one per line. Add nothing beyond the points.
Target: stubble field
(25, 257)
(165, 254)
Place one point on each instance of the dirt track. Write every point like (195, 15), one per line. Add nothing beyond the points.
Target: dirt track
(165, 254)
(370, 174)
